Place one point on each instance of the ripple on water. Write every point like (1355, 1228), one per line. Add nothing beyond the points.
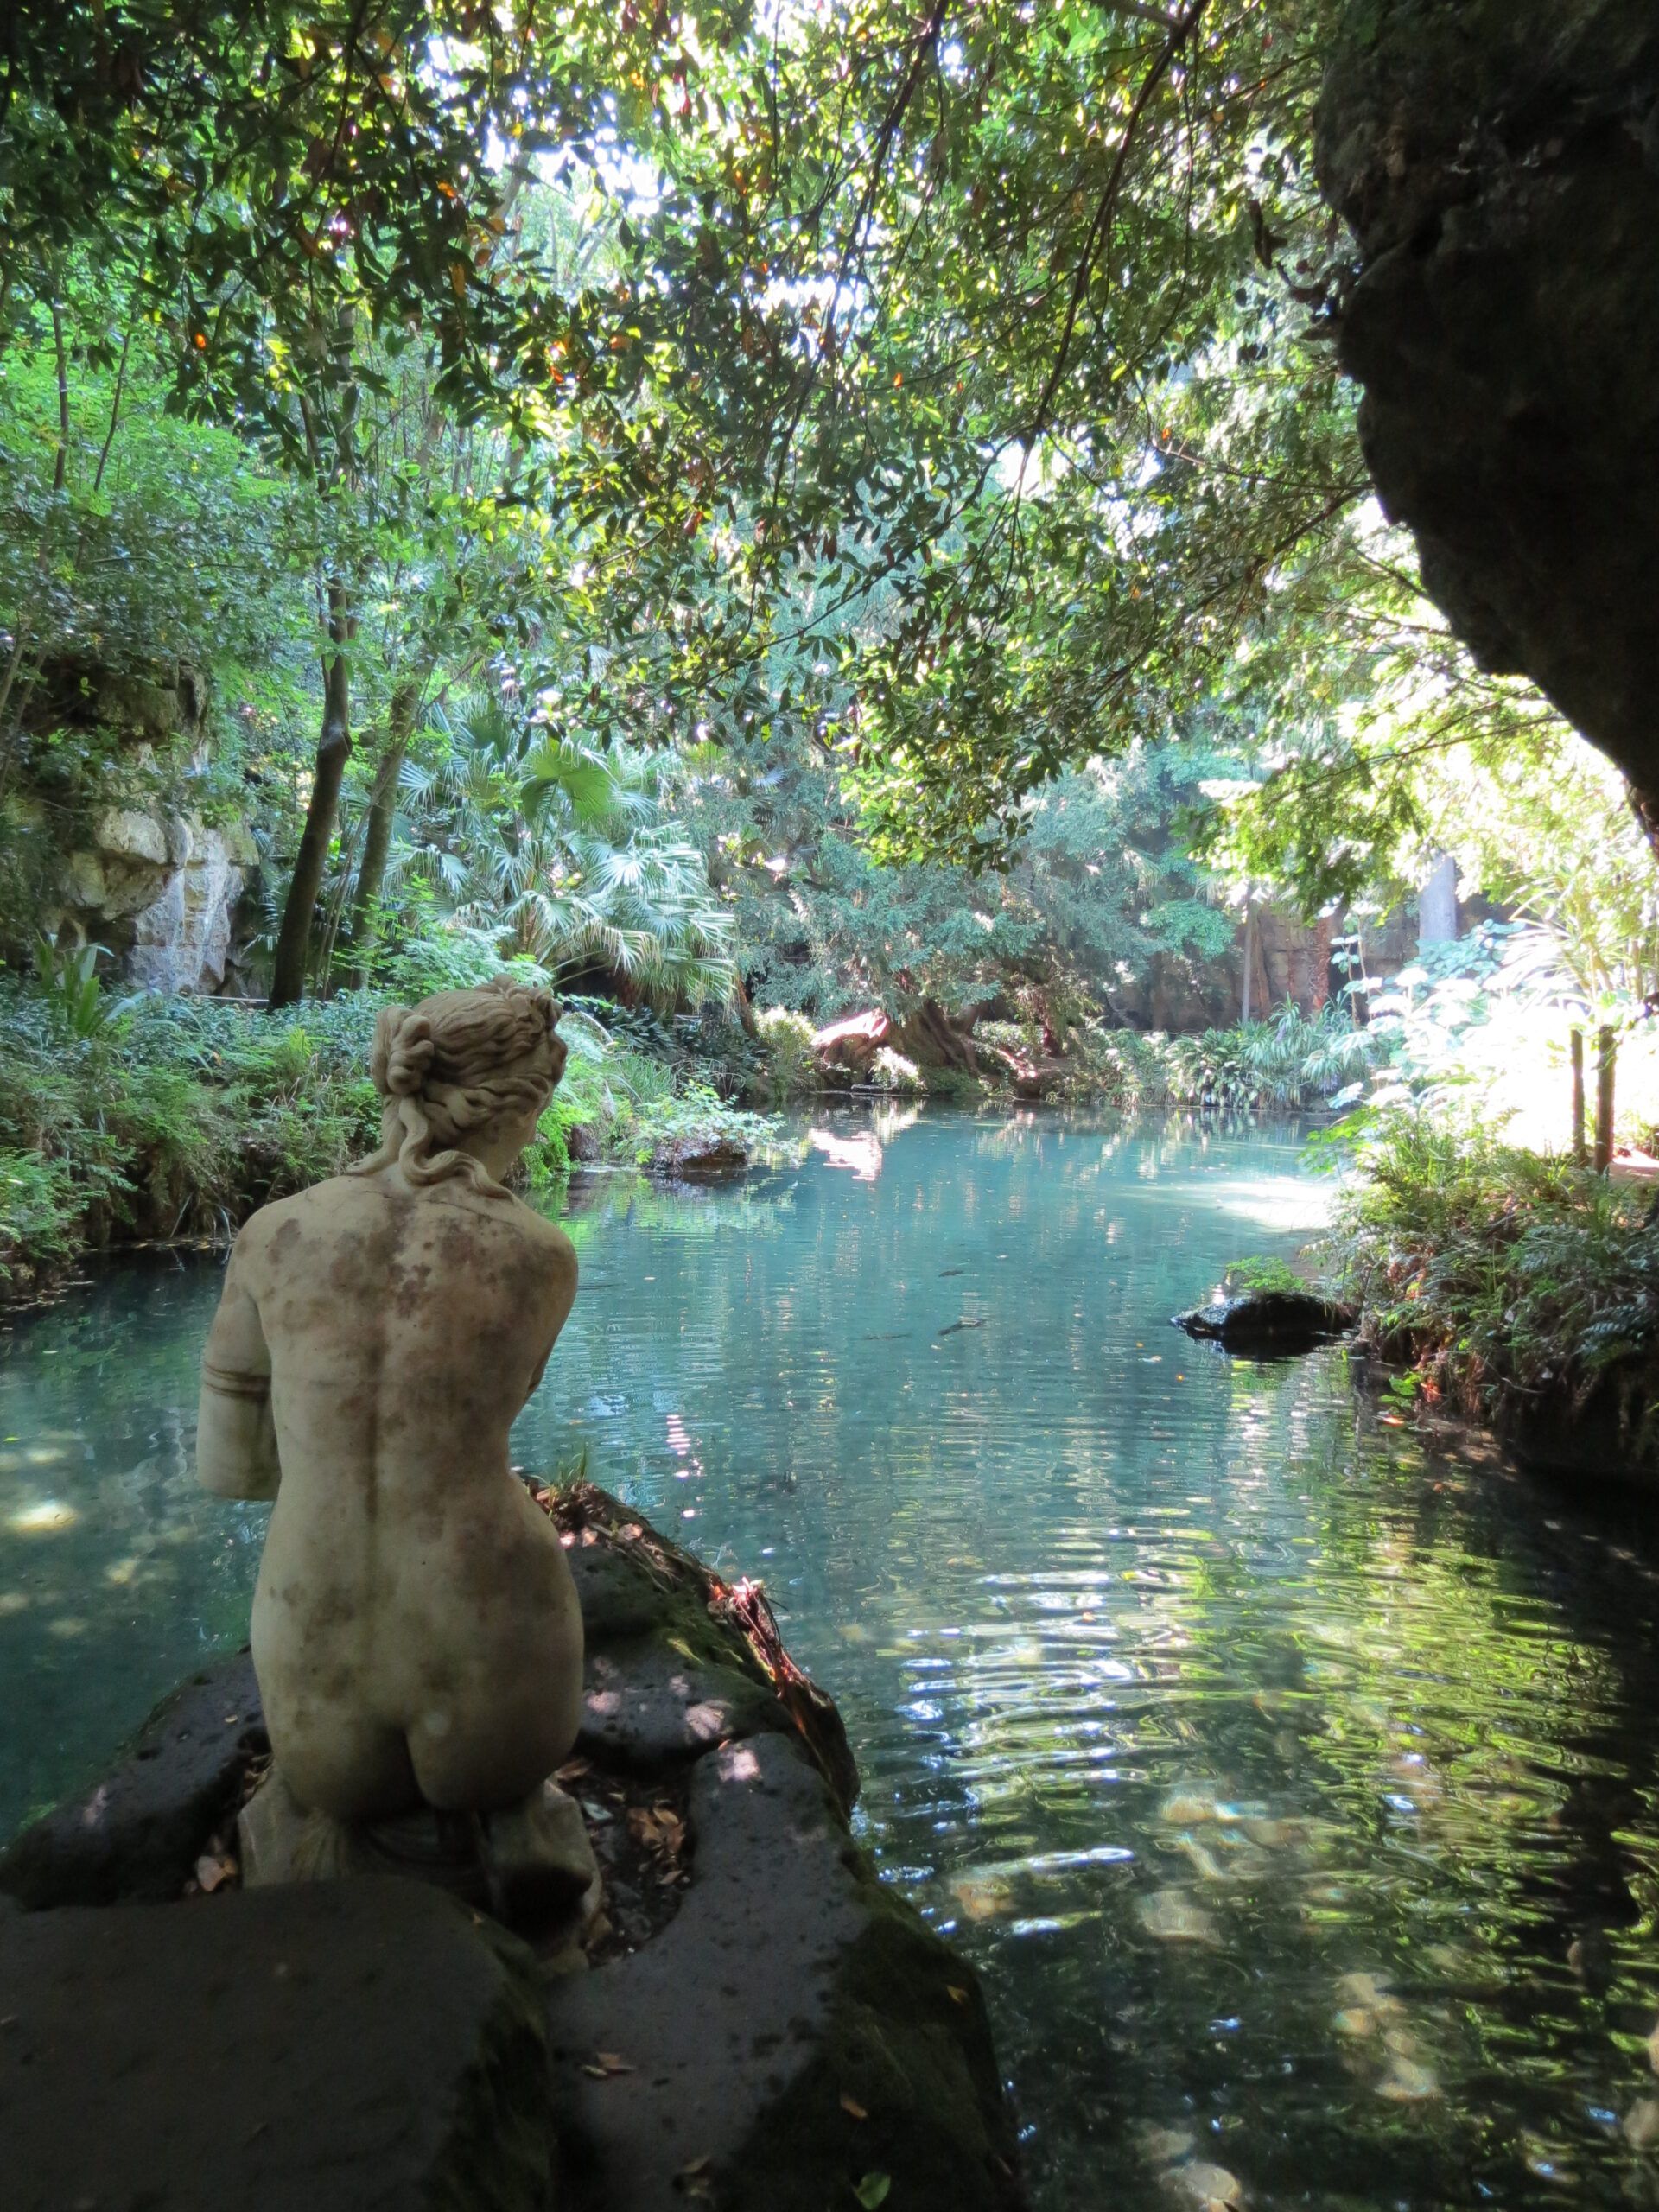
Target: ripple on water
(1296, 1793)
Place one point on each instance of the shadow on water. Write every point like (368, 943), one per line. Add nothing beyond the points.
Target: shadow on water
(1293, 1782)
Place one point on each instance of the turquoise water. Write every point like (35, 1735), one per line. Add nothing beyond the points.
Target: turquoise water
(1293, 1787)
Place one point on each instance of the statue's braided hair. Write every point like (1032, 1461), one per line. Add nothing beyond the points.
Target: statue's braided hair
(454, 1063)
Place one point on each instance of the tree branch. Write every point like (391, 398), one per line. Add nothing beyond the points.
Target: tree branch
(1180, 32)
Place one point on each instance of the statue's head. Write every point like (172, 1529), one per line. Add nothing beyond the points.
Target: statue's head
(464, 1073)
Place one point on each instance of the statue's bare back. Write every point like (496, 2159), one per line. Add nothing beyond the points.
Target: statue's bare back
(416, 1630)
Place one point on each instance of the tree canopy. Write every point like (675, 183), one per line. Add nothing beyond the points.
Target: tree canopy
(944, 398)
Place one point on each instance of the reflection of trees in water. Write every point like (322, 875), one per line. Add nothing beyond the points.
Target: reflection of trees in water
(1391, 1807)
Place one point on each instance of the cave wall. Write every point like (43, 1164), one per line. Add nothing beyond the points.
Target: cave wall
(1497, 162)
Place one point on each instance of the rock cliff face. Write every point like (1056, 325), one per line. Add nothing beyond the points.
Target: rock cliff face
(156, 884)
(1497, 162)
(160, 890)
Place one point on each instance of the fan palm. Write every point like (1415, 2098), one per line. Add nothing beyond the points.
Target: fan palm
(568, 847)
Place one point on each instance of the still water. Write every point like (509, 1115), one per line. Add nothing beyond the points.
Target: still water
(1293, 1787)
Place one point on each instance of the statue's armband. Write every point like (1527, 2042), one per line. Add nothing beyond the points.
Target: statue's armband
(227, 1383)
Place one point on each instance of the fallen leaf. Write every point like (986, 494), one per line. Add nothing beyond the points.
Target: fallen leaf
(850, 2104)
(693, 2167)
(954, 1989)
(873, 2191)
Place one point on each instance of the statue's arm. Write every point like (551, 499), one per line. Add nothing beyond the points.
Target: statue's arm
(560, 1295)
(236, 1434)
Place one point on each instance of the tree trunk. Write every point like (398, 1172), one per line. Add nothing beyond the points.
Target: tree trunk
(1318, 966)
(1250, 955)
(1437, 903)
(745, 1006)
(929, 1037)
(334, 751)
(377, 835)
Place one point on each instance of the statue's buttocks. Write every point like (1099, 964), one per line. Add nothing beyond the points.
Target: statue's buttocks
(415, 1630)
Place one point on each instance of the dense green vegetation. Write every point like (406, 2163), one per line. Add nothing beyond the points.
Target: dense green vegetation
(1508, 1284)
(766, 517)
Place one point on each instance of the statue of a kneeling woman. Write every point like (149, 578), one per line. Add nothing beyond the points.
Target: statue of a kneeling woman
(416, 1630)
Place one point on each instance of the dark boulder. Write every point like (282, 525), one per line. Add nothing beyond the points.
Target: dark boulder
(710, 1157)
(1497, 162)
(135, 1836)
(368, 2046)
(795, 2029)
(584, 1144)
(1269, 1320)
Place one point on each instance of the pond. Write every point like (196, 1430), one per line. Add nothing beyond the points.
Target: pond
(1294, 1788)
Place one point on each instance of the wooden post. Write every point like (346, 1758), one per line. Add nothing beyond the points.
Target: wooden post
(1575, 1046)
(1605, 1048)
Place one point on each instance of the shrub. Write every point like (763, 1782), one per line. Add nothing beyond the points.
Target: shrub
(790, 1065)
(1498, 1274)
(1289, 1060)
(891, 1070)
(41, 1206)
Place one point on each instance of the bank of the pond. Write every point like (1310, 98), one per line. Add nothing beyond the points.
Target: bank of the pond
(1514, 1289)
(173, 1119)
(751, 2019)
(157, 1120)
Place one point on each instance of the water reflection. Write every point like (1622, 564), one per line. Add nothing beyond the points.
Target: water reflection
(1295, 1787)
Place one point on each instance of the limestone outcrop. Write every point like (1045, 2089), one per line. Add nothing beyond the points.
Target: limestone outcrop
(1497, 162)
(160, 891)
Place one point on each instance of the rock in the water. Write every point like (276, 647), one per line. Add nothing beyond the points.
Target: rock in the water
(790, 2029)
(1497, 162)
(1269, 1320)
(345, 2047)
(709, 1159)
(137, 1836)
(644, 1704)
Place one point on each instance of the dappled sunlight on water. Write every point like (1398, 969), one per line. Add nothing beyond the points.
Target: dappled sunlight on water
(1294, 1790)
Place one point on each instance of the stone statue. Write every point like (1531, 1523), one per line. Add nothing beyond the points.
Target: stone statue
(415, 1630)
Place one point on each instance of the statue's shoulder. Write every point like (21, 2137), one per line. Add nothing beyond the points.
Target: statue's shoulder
(536, 1234)
(548, 1236)
(323, 1205)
